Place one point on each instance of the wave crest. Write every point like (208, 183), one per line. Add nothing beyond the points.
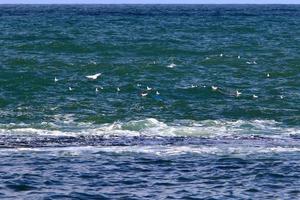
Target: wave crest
(152, 127)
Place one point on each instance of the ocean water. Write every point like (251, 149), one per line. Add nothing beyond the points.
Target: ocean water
(193, 102)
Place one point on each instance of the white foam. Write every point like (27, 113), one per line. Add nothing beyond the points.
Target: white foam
(158, 150)
(66, 126)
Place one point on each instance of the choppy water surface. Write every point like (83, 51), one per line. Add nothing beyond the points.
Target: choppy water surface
(193, 102)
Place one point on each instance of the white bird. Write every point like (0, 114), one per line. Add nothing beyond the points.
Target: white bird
(237, 93)
(255, 97)
(172, 65)
(55, 79)
(281, 96)
(251, 62)
(118, 89)
(143, 94)
(268, 75)
(97, 90)
(194, 86)
(93, 77)
(149, 88)
(70, 89)
(214, 88)
(157, 93)
(221, 55)
(239, 57)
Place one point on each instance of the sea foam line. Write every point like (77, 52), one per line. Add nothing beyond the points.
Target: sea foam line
(152, 127)
(157, 150)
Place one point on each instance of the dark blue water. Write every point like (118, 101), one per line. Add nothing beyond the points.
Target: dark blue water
(193, 102)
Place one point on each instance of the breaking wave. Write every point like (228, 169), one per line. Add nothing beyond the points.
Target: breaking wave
(151, 127)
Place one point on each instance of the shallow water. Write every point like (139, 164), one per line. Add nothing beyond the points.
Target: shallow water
(182, 139)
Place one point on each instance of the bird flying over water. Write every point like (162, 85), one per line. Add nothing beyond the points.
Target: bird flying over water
(149, 88)
(143, 94)
(93, 77)
(214, 88)
(237, 93)
(172, 65)
(251, 62)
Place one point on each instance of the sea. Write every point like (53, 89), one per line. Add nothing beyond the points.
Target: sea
(150, 102)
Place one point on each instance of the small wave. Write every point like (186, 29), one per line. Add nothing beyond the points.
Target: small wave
(159, 150)
(152, 127)
(178, 150)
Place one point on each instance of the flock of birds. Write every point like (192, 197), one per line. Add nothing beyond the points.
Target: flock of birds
(95, 76)
(172, 65)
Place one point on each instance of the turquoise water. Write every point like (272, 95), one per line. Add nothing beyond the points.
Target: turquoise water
(193, 102)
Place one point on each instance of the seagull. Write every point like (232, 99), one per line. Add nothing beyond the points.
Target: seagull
(97, 90)
(172, 65)
(55, 79)
(214, 88)
(118, 89)
(143, 94)
(254, 96)
(254, 63)
(70, 89)
(268, 75)
(239, 57)
(248, 62)
(221, 55)
(157, 93)
(237, 93)
(193, 86)
(281, 96)
(149, 88)
(93, 77)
